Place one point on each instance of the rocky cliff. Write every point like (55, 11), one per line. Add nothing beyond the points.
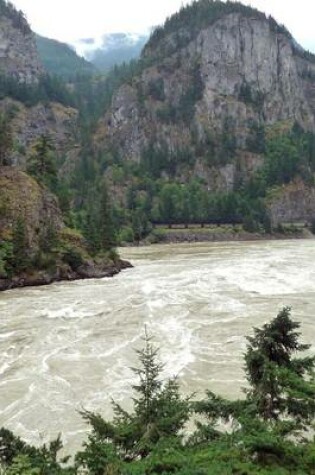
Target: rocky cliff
(29, 123)
(22, 197)
(204, 94)
(18, 53)
(36, 247)
(27, 96)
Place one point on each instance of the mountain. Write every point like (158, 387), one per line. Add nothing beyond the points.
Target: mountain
(18, 53)
(215, 123)
(112, 49)
(39, 133)
(61, 60)
(218, 91)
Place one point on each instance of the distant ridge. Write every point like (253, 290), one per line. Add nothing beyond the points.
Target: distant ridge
(61, 59)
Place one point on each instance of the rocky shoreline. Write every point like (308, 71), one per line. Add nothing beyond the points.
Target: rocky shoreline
(89, 270)
(196, 237)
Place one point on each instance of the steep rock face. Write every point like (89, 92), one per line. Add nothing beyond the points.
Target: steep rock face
(18, 53)
(28, 124)
(22, 197)
(236, 74)
(19, 60)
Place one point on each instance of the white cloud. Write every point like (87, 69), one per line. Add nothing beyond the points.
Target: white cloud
(67, 20)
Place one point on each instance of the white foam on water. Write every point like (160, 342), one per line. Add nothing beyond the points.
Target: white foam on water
(5, 336)
(199, 302)
(148, 288)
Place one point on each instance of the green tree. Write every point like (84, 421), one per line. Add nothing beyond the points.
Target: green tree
(159, 413)
(6, 142)
(20, 259)
(42, 164)
(279, 382)
(106, 224)
(281, 395)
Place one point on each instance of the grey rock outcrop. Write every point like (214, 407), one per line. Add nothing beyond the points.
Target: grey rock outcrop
(22, 197)
(18, 53)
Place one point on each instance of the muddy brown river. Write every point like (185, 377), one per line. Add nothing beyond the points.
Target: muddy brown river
(70, 345)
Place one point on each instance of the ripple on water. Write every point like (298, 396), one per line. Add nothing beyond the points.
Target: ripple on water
(71, 345)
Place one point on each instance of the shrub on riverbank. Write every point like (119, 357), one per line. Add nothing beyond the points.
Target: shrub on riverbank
(269, 429)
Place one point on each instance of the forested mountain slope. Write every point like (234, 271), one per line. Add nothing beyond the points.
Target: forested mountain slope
(215, 123)
(221, 92)
(61, 60)
(39, 134)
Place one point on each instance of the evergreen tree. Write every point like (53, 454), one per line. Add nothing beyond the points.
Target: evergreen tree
(42, 164)
(159, 413)
(279, 382)
(20, 259)
(6, 142)
(106, 225)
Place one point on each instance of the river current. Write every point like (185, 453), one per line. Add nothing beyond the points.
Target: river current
(70, 345)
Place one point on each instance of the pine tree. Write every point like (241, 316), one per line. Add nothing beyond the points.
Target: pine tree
(106, 225)
(6, 142)
(20, 259)
(281, 397)
(42, 164)
(159, 413)
(280, 383)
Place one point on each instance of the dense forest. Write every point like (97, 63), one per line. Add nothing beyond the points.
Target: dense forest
(268, 431)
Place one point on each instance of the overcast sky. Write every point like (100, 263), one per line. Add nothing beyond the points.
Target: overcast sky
(69, 20)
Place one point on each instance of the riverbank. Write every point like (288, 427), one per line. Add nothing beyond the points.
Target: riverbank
(89, 270)
(221, 233)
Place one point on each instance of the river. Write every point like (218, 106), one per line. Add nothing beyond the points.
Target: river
(70, 345)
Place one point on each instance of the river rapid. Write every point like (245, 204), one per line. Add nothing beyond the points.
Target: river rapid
(70, 345)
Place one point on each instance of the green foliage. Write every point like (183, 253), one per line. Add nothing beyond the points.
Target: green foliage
(251, 96)
(279, 403)
(125, 235)
(20, 259)
(93, 94)
(156, 159)
(287, 156)
(186, 107)
(256, 140)
(42, 164)
(6, 250)
(156, 89)
(6, 142)
(263, 435)
(72, 257)
(19, 458)
(278, 381)
(159, 414)
(106, 225)
(48, 88)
